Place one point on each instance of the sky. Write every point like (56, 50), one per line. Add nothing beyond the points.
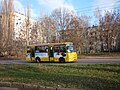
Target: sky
(81, 7)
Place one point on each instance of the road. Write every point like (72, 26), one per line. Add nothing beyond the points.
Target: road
(79, 61)
(98, 61)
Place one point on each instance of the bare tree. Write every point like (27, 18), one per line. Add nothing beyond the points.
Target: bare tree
(115, 31)
(27, 23)
(0, 33)
(34, 34)
(62, 18)
(109, 30)
(23, 40)
(48, 28)
(7, 12)
(70, 26)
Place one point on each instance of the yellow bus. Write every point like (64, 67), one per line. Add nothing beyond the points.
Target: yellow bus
(52, 52)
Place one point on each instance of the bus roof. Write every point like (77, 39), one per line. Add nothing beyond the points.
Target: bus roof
(50, 44)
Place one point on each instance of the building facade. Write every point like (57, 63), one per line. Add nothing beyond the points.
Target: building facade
(20, 25)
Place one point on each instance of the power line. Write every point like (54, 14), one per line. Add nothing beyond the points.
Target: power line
(118, 2)
(98, 7)
(101, 9)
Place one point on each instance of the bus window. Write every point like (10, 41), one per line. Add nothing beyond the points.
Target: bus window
(56, 48)
(41, 48)
(62, 48)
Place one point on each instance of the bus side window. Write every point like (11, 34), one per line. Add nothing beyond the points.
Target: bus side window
(62, 49)
(56, 49)
(37, 49)
(46, 49)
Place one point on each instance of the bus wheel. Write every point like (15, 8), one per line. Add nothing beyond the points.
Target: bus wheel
(61, 60)
(38, 60)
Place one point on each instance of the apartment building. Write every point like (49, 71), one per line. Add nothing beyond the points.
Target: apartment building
(20, 25)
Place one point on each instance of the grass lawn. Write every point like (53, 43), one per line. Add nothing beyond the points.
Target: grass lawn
(87, 77)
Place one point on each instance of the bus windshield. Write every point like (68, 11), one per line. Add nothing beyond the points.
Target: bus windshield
(70, 48)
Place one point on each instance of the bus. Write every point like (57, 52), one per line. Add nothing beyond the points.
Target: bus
(52, 52)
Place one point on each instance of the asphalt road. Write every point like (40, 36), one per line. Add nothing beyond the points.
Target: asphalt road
(79, 61)
(99, 61)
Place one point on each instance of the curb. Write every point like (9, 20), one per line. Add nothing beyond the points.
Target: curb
(23, 86)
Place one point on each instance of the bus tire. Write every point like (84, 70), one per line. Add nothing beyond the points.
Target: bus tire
(61, 60)
(37, 60)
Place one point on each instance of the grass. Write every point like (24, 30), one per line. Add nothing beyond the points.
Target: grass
(87, 77)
